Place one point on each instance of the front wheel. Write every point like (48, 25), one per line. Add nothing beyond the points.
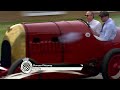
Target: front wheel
(16, 66)
(110, 67)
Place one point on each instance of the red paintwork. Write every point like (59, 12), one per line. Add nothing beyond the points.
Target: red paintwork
(81, 51)
(46, 49)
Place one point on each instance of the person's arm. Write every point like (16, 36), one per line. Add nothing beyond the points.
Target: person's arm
(101, 39)
(98, 28)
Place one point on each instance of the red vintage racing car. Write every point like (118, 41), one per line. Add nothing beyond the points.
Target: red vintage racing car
(61, 44)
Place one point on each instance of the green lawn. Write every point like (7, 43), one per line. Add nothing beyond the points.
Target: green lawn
(4, 25)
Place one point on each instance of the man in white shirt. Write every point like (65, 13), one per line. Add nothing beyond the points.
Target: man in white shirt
(109, 30)
(94, 24)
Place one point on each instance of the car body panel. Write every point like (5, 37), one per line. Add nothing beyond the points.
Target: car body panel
(62, 42)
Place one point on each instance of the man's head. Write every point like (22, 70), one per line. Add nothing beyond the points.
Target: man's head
(89, 15)
(104, 16)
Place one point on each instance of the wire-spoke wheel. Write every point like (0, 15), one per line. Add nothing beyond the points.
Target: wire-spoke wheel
(111, 65)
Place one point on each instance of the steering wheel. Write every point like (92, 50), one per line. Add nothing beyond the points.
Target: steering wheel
(84, 22)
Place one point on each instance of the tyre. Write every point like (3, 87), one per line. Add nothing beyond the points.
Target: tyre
(16, 65)
(110, 67)
(5, 54)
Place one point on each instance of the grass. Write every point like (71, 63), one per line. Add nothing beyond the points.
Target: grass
(4, 25)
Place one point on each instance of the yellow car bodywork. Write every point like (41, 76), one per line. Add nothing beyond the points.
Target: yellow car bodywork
(15, 35)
